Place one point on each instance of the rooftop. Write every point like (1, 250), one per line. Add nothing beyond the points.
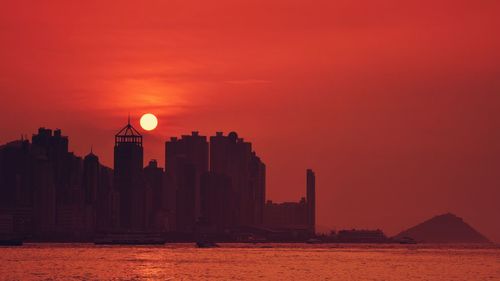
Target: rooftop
(128, 134)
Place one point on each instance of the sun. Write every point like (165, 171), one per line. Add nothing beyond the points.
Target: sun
(149, 122)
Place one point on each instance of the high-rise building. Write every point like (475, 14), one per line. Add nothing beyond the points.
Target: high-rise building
(63, 170)
(311, 200)
(108, 202)
(186, 159)
(128, 178)
(16, 187)
(47, 192)
(54, 146)
(70, 202)
(14, 174)
(257, 188)
(232, 156)
(91, 176)
(154, 178)
(44, 197)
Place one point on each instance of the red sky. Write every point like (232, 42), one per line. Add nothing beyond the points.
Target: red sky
(395, 104)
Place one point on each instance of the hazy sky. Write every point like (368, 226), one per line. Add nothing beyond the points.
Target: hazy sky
(395, 104)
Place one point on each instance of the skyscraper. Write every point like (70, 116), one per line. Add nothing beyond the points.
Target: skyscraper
(60, 171)
(232, 156)
(90, 180)
(311, 199)
(154, 178)
(16, 186)
(14, 174)
(128, 178)
(90, 177)
(257, 188)
(54, 146)
(186, 159)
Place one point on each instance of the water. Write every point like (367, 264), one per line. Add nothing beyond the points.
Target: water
(249, 262)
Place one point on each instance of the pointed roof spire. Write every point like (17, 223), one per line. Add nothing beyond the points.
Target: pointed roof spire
(91, 155)
(128, 134)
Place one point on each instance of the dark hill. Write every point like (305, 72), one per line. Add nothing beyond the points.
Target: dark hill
(446, 228)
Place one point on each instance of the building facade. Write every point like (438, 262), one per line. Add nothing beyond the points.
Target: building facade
(128, 178)
(294, 215)
(186, 159)
(233, 157)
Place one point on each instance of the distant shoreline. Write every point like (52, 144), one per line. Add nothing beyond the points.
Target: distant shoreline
(316, 245)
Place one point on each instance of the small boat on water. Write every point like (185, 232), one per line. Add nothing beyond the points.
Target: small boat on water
(313, 241)
(407, 240)
(206, 244)
(11, 242)
(130, 239)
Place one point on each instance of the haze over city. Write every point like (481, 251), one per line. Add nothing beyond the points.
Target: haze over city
(394, 105)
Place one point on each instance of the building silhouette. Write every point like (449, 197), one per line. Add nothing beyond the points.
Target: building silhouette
(47, 192)
(60, 196)
(158, 211)
(128, 178)
(217, 202)
(17, 185)
(233, 157)
(257, 190)
(105, 208)
(311, 200)
(215, 187)
(186, 159)
(286, 215)
(296, 216)
(90, 188)
(100, 205)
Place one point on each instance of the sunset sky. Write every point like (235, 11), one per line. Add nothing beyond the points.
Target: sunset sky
(394, 104)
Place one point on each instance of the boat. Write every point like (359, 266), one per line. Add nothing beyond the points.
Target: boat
(313, 241)
(206, 244)
(407, 240)
(11, 242)
(130, 239)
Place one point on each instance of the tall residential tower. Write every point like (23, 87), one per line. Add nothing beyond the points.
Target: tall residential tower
(186, 159)
(311, 200)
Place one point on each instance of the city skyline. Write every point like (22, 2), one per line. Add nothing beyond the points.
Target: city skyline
(154, 161)
(393, 103)
(250, 140)
(213, 188)
(281, 215)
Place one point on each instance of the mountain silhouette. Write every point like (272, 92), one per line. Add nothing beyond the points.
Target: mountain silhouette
(446, 228)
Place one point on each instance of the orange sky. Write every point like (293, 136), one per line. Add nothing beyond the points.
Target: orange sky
(395, 104)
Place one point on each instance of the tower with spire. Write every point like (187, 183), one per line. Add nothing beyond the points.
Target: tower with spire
(128, 178)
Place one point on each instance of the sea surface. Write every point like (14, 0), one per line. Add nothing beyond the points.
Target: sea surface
(250, 262)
